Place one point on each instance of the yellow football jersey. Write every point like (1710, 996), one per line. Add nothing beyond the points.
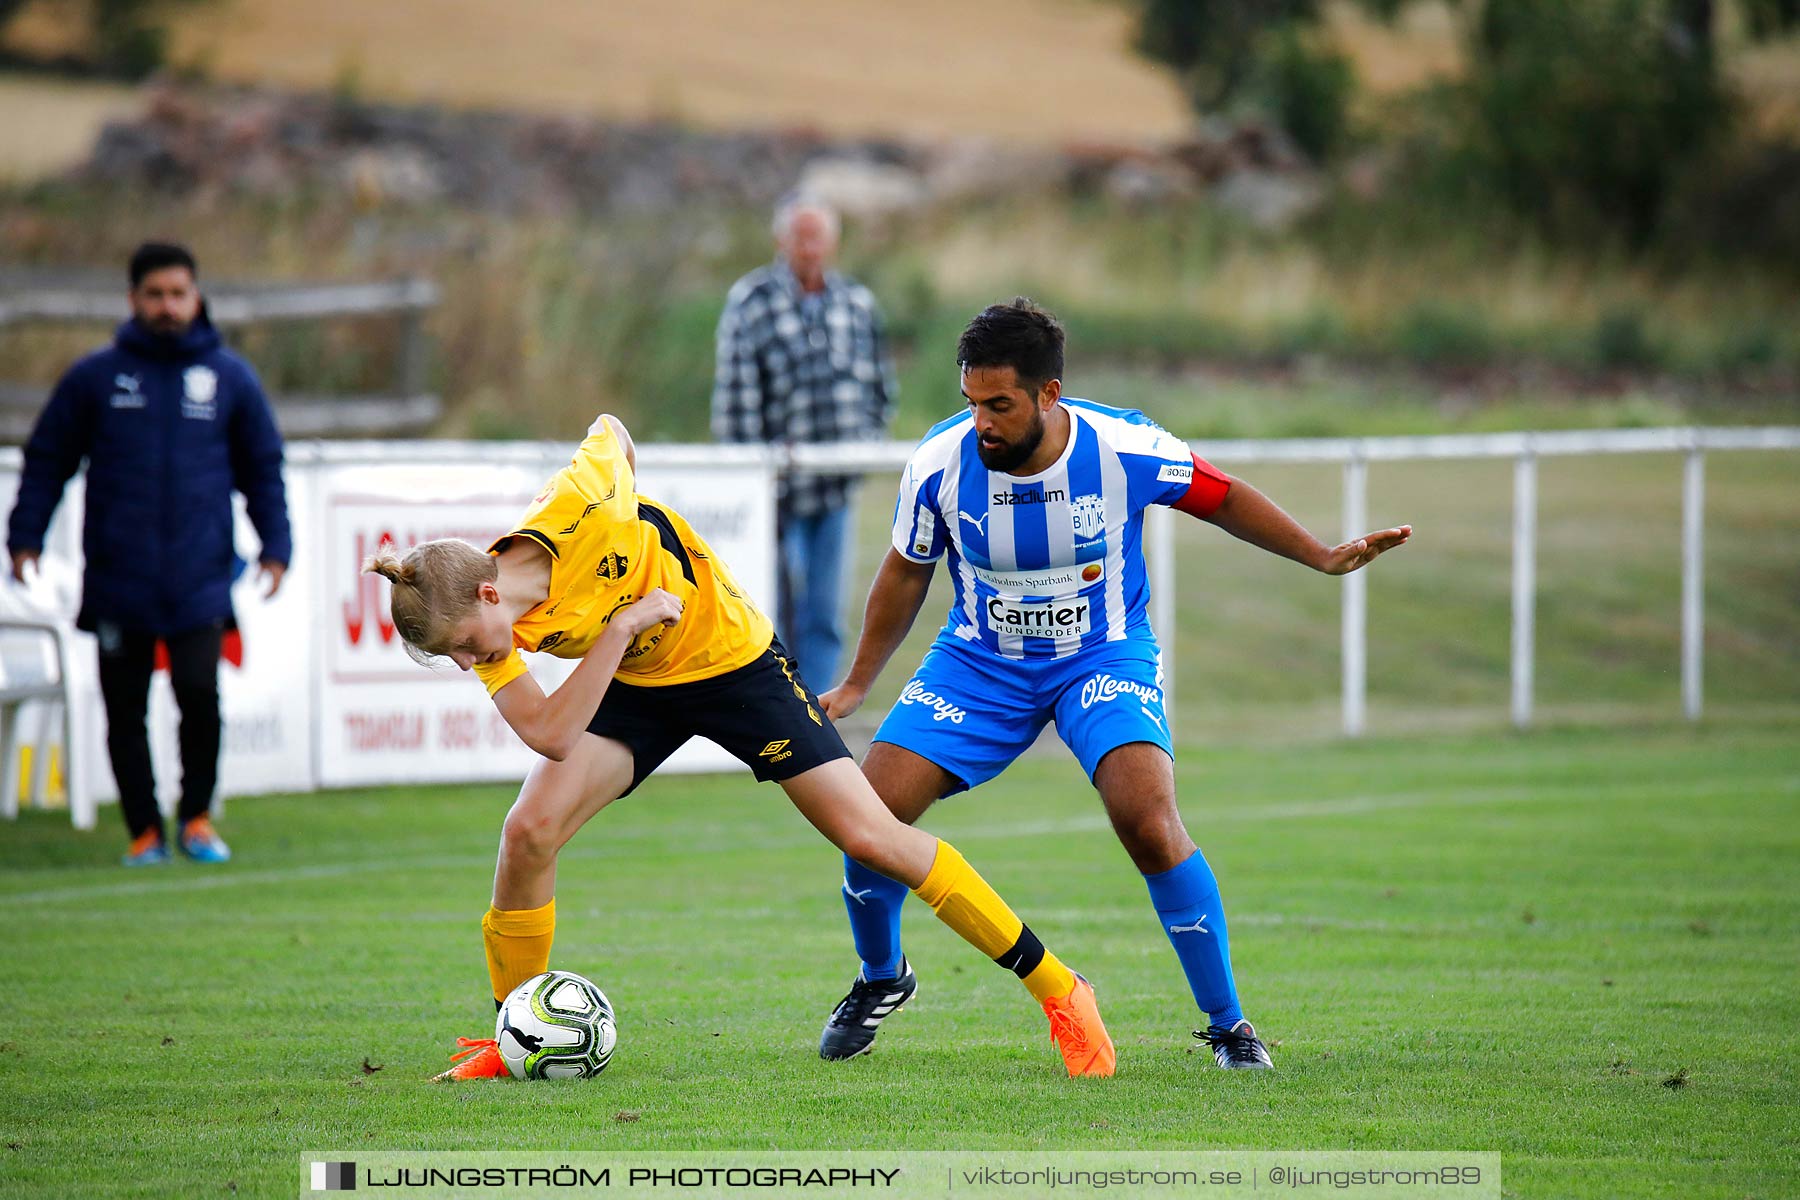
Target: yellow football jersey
(608, 547)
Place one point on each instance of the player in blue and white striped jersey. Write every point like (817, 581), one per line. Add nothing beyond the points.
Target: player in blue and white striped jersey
(1036, 501)
(1049, 564)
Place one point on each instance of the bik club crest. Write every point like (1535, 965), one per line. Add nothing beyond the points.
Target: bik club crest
(1090, 516)
(613, 566)
(199, 391)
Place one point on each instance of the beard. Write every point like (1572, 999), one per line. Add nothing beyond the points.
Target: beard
(1009, 456)
(171, 327)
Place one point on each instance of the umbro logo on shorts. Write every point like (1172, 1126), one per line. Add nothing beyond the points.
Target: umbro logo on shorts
(776, 751)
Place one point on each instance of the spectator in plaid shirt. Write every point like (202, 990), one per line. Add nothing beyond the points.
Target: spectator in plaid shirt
(802, 357)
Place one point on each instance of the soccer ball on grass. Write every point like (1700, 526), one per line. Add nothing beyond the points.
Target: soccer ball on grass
(556, 1026)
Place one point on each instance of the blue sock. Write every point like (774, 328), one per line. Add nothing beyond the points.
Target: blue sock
(1186, 898)
(873, 902)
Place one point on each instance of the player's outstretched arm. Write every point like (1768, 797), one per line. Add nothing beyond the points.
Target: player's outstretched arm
(552, 725)
(1250, 516)
(894, 599)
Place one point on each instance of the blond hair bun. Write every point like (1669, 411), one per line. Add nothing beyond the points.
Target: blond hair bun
(387, 564)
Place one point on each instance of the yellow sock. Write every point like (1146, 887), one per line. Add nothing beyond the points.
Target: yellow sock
(518, 945)
(962, 899)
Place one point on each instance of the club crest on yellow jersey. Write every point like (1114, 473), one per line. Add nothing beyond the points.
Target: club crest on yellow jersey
(609, 546)
(613, 566)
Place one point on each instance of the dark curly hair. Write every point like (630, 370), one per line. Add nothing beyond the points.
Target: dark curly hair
(154, 256)
(1019, 335)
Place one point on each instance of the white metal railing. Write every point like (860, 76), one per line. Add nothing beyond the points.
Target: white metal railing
(81, 297)
(77, 300)
(1355, 454)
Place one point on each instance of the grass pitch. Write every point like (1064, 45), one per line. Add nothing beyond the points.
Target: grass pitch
(1575, 948)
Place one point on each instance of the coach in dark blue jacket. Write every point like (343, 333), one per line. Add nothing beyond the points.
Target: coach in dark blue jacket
(170, 422)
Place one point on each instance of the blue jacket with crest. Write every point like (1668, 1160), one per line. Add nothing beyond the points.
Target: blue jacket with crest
(169, 426)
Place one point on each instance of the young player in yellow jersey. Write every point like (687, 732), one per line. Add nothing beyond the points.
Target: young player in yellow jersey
(670, 648)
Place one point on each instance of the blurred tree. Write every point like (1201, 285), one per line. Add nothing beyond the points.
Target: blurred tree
(1593, 109)
(1598, 110)
(1264, 53)
(125, 38)
(1209, 43)
(1305, 87)
(1574, 111)
(1769, 18)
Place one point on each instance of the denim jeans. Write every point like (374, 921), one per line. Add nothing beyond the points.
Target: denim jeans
(812, 588)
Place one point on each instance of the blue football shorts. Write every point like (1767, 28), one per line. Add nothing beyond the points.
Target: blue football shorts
(972, 712)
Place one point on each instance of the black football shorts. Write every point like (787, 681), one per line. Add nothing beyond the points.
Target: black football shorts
(761, 712)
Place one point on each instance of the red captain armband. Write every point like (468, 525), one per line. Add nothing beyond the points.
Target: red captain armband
(1206, 492)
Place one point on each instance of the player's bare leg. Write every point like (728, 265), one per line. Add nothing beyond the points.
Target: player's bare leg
(907, 783)
(842, 804)
(556, 799)
(1136, 782)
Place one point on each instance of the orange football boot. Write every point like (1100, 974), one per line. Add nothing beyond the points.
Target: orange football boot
(1077, 1030)
(147, 850)
(480, 1060)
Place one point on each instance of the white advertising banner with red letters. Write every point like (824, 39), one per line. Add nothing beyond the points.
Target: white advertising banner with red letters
(383, 718)
(317, 689)
(265, 689)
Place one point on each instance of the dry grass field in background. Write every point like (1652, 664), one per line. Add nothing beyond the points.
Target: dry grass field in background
(48, 125)
(1024, 71)
(1031, 70)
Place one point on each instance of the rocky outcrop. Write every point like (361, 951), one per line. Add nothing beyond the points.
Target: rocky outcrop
(283, 145)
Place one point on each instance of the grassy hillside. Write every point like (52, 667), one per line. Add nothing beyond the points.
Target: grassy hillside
(546, 321)
(933, 68)
(1035, 71)
(51, 125)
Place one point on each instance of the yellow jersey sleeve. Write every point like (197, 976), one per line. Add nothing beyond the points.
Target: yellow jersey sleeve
(597, 489)
(602, 472)
(497, 675)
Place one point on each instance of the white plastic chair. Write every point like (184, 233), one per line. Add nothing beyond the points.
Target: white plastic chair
(34, 666)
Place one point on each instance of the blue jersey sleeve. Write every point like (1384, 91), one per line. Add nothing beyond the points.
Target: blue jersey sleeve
(1159, 467)
(919, 532)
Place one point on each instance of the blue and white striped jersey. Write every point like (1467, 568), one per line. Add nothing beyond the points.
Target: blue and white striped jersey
(1046, 565)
